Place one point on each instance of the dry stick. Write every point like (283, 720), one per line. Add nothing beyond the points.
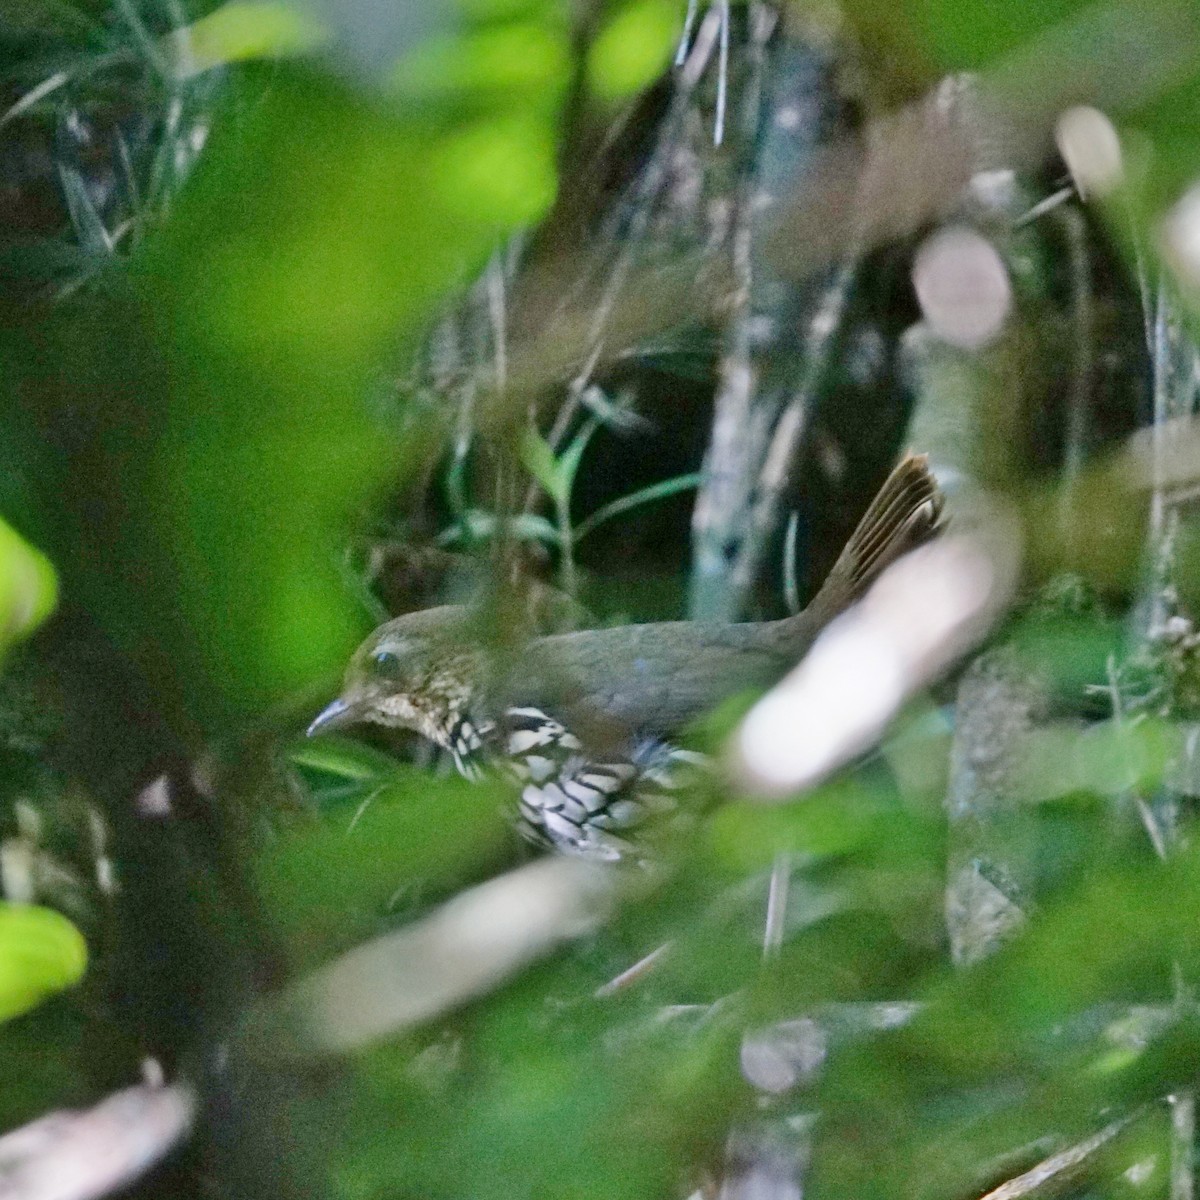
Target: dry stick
(722, 73)
(777, 899)
(689, 23)
(633, 974)
(498, 312)
(1055, 1171)
(988, 827)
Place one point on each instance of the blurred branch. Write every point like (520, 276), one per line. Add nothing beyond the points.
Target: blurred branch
(923, 613)
(1059, 1170)
(771, 372)
(90, 1153)
(912, 165)
(1183, 1144)
(989, 856)
(1176, 374)
(467, 948)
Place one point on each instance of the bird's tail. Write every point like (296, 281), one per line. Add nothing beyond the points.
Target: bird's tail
(906, 512)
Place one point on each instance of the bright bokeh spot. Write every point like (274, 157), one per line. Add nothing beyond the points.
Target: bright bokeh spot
(633, 48)
(41, 953)
(500, 170)
(28, 589)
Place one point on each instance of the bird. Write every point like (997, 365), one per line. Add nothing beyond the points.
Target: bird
(587, 724)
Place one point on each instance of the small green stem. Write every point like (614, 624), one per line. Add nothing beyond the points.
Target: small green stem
(566, 541)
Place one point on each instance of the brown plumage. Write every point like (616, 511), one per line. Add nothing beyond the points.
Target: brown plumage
(614, 696)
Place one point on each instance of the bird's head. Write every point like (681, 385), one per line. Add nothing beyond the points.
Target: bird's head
(415, 672)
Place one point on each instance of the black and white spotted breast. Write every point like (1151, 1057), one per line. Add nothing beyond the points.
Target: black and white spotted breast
(575, 804)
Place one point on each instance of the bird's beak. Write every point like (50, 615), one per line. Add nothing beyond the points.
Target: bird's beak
(333, 716)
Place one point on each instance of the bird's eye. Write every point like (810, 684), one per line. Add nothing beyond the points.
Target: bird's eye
(387, 662)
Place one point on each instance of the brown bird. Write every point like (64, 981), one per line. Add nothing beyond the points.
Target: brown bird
(585, 722)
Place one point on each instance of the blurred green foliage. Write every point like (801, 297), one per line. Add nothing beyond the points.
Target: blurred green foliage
(199, 412)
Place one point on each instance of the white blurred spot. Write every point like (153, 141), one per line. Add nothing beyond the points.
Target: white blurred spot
(1181, 234)
(963, 287)
(153, 1075)
(154, 800)
(924, 612)
(996, 188)
(90, 1153)
(462, 950)
(1090, 147)
(775, 1059)
(1142, 1171)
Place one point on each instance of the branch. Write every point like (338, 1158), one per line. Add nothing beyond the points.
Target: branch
(90, 1153)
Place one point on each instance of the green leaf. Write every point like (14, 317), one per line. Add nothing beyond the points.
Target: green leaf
(539, 460)
(344, 759)
(238, 31)
(519, 54)
(478, 526)
(500, 169)
(568, 462)
(89, 227)
(321, 883)
(41, 953)
(633, 48)
(28, 588)
(655, 491)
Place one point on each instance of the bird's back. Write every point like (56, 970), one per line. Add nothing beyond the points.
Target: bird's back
(655, 678)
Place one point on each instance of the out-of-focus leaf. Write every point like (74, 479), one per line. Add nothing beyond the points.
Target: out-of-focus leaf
(1018, 1045)
(345, 760)
(555, 1105)
(646, 495)
(226, 495)
(520, 55)
(89, 228)
(500, 169)
(333, 880)
(479, 526)
(633, 48)
(41, 953)
(969, 36)
(28, 588)
(570, 458)
(540, 462)
(240, 30)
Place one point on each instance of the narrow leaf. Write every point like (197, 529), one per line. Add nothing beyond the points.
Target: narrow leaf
(656, 491)
(540, 462)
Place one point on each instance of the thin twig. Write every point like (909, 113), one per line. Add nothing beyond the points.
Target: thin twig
(1055, 1170)
(689, 23)
(777, 901)
(791, 585)
(633, 974)
(722, 75)
(1183, 1145)
(648, 187)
